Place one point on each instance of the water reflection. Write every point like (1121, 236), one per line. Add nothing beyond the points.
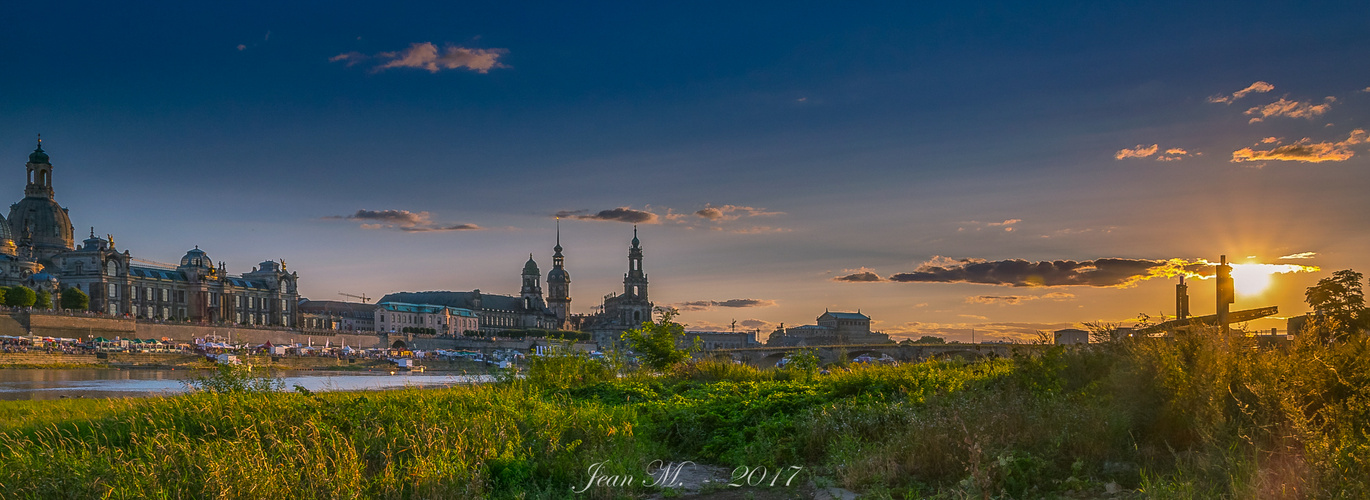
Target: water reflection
(97, 383)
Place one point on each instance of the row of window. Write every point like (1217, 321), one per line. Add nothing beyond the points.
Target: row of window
(414, 319)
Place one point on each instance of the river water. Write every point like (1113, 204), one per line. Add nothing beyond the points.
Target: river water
(114, 383)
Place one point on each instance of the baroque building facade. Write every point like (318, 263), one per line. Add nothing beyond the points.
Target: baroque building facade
(494, 313)
(625, 311)
(338, 316)
(37, 249)
(833, 328)
(395, 317)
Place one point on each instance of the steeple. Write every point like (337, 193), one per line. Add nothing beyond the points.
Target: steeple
(557, 248)
(39, 173)
(559, 283)
(635, 282)
(532, 287)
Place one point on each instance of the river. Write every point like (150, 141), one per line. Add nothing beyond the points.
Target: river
(121, 383)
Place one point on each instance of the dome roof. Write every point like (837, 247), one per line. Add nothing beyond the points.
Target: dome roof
(530, 267)
(558, 275)
(38, 156)
(6, 236)
(47, 222)
(196, 258)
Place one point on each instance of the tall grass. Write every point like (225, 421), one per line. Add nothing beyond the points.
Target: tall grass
(1195, 416)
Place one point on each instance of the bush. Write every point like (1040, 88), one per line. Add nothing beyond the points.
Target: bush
(19, 296)
(43, 300)
(235, 379)
(563, 368)
(658, 343)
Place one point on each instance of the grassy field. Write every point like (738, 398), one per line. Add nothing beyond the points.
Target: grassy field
(1191, 417)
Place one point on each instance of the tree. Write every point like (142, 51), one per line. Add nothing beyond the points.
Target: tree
(658, 343)
(19, 296)
(1101, 332)
(74, 298)
(43, 300)
(1340, 298)
(929, 339)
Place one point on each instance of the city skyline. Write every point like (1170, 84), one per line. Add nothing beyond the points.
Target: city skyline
(941, 168)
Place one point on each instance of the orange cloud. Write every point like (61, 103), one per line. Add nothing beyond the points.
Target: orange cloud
(427, 56)
(731, 212)
(1012, 300)
(403, 220)
(1255, 88)
(1138, 152)
(1304, 151)
(1291, 109)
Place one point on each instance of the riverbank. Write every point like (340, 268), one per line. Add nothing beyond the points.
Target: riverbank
(41, 360)
(1192, 417)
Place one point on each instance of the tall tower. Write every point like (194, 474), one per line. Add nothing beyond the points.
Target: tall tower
(634, 308)
(1181, 300)
(1226, 294)
(37, 220)
(635, 282)
(532, 288)
(559, 284)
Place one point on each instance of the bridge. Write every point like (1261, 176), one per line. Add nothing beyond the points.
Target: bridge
(764, 357)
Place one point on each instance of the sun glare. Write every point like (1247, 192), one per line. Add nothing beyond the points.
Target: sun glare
(1254, 279)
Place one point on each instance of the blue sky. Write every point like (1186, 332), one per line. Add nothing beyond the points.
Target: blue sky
(765, 149)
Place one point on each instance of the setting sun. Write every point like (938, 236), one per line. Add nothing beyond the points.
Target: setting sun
(1254, 279)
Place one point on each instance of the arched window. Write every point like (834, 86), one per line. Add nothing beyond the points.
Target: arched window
(637, 315)
(112, 268)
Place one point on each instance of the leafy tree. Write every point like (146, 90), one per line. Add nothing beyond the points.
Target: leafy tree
(803, 361)
(43, 300)
(1340, 298)
(929, 339)
(658, 343)
(74, 298)
(1101, 332)
(19, 296)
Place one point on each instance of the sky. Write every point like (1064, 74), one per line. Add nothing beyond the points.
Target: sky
(1001, 168)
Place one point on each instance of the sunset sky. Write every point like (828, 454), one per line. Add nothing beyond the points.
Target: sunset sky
(1001, 167)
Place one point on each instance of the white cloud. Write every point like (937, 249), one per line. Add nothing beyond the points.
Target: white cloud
(1301, 255)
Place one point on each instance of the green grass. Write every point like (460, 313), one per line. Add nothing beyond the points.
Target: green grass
(1192, 417)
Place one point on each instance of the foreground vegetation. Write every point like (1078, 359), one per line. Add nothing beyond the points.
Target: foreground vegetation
(1197, 416)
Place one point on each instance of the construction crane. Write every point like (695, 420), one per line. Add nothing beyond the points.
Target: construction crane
(361, 297)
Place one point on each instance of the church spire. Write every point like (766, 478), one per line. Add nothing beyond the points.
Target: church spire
(557, 248)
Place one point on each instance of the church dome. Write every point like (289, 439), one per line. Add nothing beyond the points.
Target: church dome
(558, 275)
(38, 156)
(47, 223)
(6, 239)
(196, 258)
(43, 278)
(530, 267)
